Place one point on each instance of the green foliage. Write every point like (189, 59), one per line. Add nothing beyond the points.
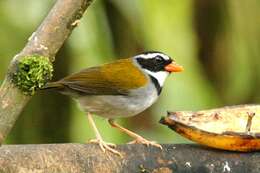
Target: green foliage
(32, 73)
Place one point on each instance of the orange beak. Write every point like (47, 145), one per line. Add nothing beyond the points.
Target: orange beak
(173, 67)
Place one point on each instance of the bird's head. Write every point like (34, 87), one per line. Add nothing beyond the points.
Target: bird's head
(157, 65)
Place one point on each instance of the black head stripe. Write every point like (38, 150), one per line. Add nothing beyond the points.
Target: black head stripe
(156, 84)
(153, 64)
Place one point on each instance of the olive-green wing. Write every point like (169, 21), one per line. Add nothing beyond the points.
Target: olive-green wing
(117, 78)
(91, 81)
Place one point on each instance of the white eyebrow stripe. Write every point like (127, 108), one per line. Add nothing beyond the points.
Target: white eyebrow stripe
(152, 55)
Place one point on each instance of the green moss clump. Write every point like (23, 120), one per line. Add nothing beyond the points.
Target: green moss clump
(32, 73)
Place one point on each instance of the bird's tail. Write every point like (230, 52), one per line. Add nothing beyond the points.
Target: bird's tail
(53, 85)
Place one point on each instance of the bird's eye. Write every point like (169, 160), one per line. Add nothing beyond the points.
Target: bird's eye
(158, 59)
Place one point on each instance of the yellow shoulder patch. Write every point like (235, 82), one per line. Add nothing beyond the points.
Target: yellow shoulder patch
(124, 74)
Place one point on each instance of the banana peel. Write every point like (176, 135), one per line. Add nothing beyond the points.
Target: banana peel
(235, 128)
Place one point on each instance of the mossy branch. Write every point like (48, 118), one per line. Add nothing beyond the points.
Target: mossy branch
(32, 67)
(32, 73)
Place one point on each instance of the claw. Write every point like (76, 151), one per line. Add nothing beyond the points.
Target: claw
(138, 139)
(106, 146)
(102, 144)
(144, 141)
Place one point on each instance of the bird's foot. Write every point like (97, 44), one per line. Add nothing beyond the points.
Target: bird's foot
(106, 146)
(141, 140)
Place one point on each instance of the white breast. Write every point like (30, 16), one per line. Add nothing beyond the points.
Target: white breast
(120, 106)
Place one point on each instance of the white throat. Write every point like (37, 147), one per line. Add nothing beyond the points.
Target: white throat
(160, 76)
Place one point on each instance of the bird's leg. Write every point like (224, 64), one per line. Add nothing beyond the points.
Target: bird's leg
(102, 144)
(137, 138)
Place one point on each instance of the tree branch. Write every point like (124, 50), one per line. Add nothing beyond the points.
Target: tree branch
(79, 158)
(45, 42)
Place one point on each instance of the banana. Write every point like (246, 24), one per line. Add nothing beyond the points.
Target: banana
(234, 128)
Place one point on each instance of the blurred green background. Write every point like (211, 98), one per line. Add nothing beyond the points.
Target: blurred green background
(218, 43)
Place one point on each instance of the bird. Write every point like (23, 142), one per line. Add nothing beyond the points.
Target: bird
(123, 88)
